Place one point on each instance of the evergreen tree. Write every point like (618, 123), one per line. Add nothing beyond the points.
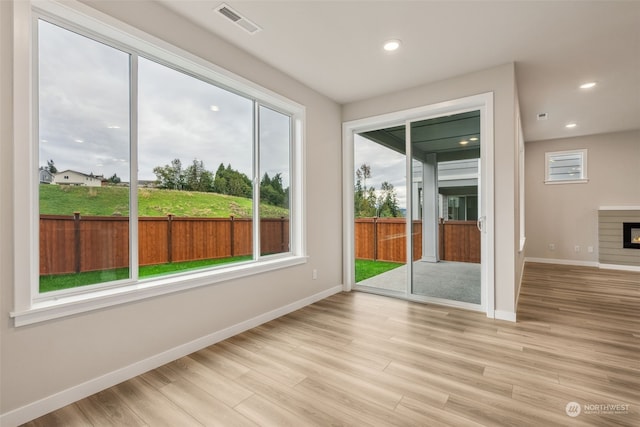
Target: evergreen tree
(271, 191)
(232, 182)
(388, 201)
(114, 179)
(364, 197)
(197, 178)
(51, 167)
(220, 182)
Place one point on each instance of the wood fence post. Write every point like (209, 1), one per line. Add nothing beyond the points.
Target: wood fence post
(375, 238)
(232, 233)
(76, 239)
(281, 234)
(169, 238)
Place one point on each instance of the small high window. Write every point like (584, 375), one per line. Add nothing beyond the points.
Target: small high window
(563, 167)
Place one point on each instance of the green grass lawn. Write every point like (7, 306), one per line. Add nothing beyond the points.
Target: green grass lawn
(366, 268)
(67, 281)
(107, 201)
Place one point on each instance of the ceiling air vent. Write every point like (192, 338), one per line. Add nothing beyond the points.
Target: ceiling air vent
(237, 19)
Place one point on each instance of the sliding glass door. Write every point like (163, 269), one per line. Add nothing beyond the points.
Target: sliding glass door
(380, 211)
(445, 155)
(420, 186)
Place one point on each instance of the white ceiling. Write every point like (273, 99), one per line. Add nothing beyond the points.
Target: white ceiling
(335, 47)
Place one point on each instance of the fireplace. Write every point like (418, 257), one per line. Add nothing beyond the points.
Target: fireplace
(631, 235)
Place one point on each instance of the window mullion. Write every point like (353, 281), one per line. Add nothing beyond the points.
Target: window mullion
(133, 167)
(256, 180)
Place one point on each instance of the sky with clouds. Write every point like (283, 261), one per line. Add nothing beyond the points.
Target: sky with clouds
(84, 114)
(386, 165)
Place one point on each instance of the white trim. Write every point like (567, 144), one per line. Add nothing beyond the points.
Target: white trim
(620, 267)
(348, 211)
(563, 261)
(482, 102)
(505, 315)
(486, 192)
(25, 226)
(75, 393)
(619, 208)
(584, 177)
(80, 303)
(519, 288)
(573, 181)
(579, 263)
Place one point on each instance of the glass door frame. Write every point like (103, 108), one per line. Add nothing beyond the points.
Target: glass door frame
(482, 103)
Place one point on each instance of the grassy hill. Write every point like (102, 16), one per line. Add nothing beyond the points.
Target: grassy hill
(107, 201)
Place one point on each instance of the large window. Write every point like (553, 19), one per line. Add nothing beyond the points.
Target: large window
(153, 167)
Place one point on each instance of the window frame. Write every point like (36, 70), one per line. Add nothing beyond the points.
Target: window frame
(548, 156)
(30, 306)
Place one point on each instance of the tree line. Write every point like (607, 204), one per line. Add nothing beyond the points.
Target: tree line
(369, 204)
(225, 180)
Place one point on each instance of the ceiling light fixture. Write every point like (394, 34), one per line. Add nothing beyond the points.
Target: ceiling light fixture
(392, 45)
(570, 125)
(214, 108)
(464, 142)
(473, 139)
(588, 85)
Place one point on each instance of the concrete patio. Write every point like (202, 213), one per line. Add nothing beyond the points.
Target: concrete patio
(457, 281)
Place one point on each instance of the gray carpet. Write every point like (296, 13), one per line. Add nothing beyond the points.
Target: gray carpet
(457, 281)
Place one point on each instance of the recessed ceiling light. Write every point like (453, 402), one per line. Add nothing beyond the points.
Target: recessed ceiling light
(473, 139)
(588, 85)
(391, 45)
(464, 142)
(571, 125)
(113, 127)
(79, 141)
(214, 108)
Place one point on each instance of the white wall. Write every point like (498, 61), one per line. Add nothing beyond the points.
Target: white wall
(501, 81)
(567, 214)
(47, 358)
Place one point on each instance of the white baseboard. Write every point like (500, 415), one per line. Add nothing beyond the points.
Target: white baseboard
(620, 267)
(563, 262)
(73, 394)
(584, 264)
(505, 315)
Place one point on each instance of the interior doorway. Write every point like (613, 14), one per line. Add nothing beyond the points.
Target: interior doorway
(418, 204)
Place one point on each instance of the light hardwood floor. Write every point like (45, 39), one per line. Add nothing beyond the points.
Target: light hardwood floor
(361, 359)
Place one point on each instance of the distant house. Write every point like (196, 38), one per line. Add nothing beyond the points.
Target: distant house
(71, 177)
(45, 176)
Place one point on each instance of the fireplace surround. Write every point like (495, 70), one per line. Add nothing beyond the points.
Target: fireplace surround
(618, 228)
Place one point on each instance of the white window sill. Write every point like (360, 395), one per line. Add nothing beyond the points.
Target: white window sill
(80, 303)
(573, 181)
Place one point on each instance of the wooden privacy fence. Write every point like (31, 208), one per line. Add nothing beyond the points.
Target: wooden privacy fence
(73, 244)
(384, 239)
